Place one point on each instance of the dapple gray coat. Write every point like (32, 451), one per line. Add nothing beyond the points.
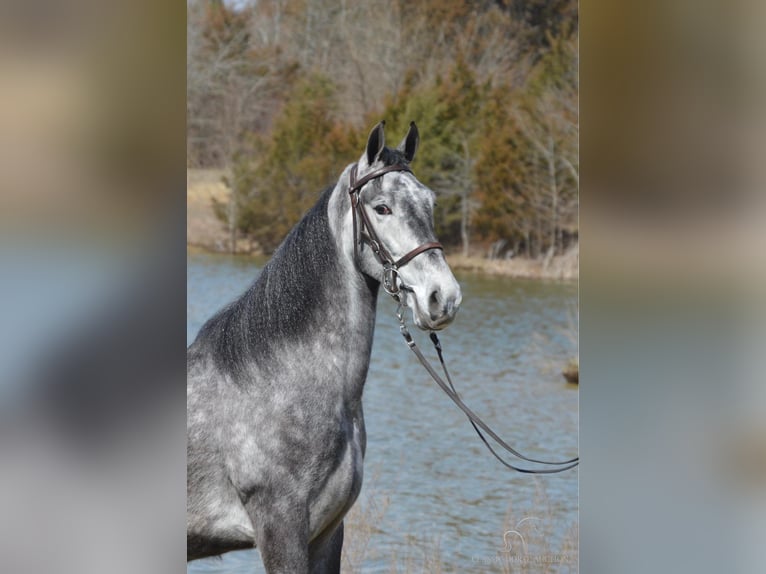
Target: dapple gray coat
(276, 435)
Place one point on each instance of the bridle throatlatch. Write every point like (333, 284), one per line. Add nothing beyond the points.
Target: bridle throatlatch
(365, 232)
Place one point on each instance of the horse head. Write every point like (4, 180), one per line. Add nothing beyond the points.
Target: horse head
(396, 243)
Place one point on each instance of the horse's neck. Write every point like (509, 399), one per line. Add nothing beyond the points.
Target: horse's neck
(312, 293)
(351, 314)
(358, 293)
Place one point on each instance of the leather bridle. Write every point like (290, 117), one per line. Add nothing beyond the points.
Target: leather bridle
(365, 232)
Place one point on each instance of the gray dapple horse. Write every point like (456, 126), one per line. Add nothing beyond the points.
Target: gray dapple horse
(275, 428)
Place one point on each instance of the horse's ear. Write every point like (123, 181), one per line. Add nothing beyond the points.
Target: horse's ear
(410, 142)
(375, 143)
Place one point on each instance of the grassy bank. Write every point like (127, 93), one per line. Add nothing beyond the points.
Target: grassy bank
(419, 553)
(206, 234)
(564, 266)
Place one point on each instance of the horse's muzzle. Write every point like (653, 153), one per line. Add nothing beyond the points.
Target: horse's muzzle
(440, 310)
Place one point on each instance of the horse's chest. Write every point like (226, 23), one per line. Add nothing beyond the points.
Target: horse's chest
(341, 488)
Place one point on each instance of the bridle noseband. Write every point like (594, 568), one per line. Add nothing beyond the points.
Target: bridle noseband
(364, 231)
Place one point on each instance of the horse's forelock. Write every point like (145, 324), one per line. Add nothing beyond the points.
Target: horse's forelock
(390, 156)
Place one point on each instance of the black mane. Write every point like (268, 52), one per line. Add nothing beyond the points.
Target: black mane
(275, 306)
(278, 306)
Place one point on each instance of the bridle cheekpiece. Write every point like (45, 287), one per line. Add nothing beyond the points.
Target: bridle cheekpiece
(365, 232)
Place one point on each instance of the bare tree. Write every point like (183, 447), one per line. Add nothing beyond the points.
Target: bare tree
(231, 91)
(550, 125)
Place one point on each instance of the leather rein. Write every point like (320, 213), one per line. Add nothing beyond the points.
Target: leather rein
(365, 232)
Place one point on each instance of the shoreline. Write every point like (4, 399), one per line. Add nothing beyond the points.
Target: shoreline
(561, 267)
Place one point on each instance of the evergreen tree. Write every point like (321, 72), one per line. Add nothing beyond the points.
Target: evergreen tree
(282, 174)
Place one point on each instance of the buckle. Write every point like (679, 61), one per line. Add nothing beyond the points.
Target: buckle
(390, 284)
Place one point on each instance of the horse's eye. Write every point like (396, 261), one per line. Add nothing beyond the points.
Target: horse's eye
(382, 210)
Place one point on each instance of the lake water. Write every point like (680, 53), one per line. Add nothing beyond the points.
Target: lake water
(434, 500)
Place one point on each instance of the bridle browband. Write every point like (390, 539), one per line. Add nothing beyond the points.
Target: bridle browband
(364, 231)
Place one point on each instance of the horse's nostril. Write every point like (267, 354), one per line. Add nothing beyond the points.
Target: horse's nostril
(434, 304)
